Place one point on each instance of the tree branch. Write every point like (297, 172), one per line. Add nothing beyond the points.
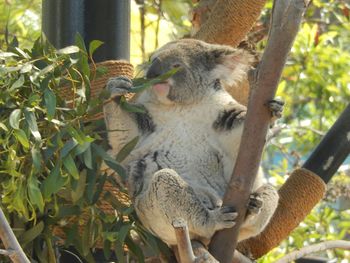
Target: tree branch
(264, 79)
(183, 241)
(10, 242)
(314, 248)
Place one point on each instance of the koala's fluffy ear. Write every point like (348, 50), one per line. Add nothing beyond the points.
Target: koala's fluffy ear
(232, 65)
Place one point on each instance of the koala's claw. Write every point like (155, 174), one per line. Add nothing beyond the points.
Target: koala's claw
(225, 217)
(276, 107)
(119, 86)
(255, 204)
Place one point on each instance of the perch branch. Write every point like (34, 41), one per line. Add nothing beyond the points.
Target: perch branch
(314, 248)
(183, 241)
(286, 18)
(14, 250)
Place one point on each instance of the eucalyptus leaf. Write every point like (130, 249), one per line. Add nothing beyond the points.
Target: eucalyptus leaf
(36, 158)
(135, 249)
(70, 166)
(68, 147)
(31, 121)
(50, 103)
(54, 182)
(18, 83)
(78, 192)
(34, 193)
(14, 118)
(131, 107)
(125, 151)
(68, 50)
(4, 55)
(94, 44)
(26, 68)
(22, 138)
(31, 234)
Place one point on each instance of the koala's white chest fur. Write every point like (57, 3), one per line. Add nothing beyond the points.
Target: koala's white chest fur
(184, 140)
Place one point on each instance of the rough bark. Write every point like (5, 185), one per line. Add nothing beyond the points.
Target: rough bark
(264, 79)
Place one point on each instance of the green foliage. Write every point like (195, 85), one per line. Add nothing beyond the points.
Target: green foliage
(51, 154)
(19, 21)
(315, 86)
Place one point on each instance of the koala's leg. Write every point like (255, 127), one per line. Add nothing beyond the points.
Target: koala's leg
(175, 199)
(262, 205)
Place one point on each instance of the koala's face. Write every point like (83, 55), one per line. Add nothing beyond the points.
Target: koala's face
(200, 66)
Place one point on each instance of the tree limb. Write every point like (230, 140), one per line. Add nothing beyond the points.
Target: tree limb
(10, 242)
(183, 241)
(314, 248)
(264, 79)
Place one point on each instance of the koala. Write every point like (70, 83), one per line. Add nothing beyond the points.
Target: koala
(189, 135)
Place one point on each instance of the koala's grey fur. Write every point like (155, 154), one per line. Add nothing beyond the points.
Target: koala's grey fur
(189, 139)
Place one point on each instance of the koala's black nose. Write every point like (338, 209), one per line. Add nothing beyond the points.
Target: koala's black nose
(155, 70)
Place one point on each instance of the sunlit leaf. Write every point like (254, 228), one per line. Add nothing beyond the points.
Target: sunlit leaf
(18, 83)
(22, 138)
(33, 126)
(94, 44)
(34, 193)
(14, 118)
(68, 50)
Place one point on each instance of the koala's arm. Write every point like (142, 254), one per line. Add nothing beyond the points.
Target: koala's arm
(123, 126)
(261, 207)
(264, 198)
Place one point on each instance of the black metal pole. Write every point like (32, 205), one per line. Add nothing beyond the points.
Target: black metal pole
(62, 20)
(105, 20)
(109, 21)
(332, 150)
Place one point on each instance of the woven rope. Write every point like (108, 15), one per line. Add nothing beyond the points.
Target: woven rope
(298, 196)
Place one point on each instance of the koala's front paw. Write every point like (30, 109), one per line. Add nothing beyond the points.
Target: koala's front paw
(276, 107)
(119, 86)
(224, 217)
(255, 204)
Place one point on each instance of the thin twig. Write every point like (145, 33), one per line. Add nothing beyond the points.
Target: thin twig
(183, 241)
(6, 252)
(10, 241)
(342, 244)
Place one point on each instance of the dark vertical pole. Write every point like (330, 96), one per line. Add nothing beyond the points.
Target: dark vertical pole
(61, 20)
(109, 21)
(105, 20)
(332, 150)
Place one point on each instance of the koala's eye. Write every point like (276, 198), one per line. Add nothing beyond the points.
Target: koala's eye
(176, 65)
